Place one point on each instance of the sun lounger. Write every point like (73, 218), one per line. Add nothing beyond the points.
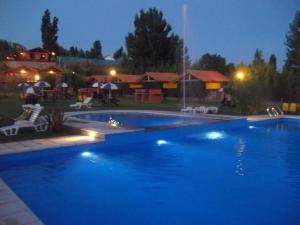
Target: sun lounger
(35, 121)
(212, 109)
(187, 109)
(201, 109)
(86, 103)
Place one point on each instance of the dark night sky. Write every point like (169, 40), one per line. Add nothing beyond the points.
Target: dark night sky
(232, 28)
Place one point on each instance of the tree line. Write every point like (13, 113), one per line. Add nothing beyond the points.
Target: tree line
(153, 46)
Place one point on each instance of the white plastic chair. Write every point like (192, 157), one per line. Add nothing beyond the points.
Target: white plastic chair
(86, 103)
(36, 122)
(187, 109)
(201, 109)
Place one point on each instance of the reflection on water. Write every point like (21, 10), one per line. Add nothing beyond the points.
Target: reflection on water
(239, 169)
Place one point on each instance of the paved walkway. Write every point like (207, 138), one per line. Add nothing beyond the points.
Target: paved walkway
(40, 144)
(13, 210)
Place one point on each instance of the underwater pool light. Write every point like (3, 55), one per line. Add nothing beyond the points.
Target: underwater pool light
(251, 127)
(214, 135)
(161, 142)
(86, 154)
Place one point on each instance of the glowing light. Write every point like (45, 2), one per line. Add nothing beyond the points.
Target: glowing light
(22, 71)
(21, 53)
(113, 123)
(214, 135)
(92, 134)
(113, 72)
(51, 71)
(240, 75)
(37, 77)
(52, 53)
(73, 72)
(161, 142)
(86, 154)
(251, 127)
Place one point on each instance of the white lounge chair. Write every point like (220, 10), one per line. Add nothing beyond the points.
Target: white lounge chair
(212, 109)
(201, 109)
(87, 103)
(187, 109)
(36, 122)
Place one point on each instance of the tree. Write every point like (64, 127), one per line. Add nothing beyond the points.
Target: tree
(248, 92)
(258, 68)
(213, 62)
(151, 45)
(272, 74)
(96, 50)
(49, 32)
(292, 63)
(9, 49)
(119, 53)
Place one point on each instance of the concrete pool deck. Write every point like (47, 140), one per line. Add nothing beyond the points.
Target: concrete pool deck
(46, 143)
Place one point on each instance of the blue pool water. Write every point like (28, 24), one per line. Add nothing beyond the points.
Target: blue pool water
(234, 173)
(142, 120)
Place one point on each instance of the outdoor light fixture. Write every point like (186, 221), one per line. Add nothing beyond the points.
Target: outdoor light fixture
(52, 53)
(23, 71)
(37, 77)
(113, 72)
(240, 75)
(51, 71)
(22, 53)
(113, 122)
(92, 134)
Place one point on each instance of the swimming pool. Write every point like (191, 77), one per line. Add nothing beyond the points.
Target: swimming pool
(143, 120)
(234, 173)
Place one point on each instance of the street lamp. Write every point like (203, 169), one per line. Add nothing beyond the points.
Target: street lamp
(37, 77)
(240, 75)
(113, 72)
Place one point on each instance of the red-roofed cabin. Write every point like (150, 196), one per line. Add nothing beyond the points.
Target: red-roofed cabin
(168, 82)
(127, 83)
(30, 71)
(35, 54)
(204, 83)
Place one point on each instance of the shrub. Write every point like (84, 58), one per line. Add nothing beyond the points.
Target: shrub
(56, 120)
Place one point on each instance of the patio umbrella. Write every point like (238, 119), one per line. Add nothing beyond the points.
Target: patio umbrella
(63, 85)
(23, 86)
(97, 84)
(109, 86)
(42, 84)
(32, 90)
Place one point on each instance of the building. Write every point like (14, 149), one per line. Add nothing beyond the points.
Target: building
(205, 84)
(29, 65)
(35, 54)
(127, 82)
(168, 82)
(30, 71)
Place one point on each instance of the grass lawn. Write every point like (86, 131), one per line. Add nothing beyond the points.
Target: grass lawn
(10, 107)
